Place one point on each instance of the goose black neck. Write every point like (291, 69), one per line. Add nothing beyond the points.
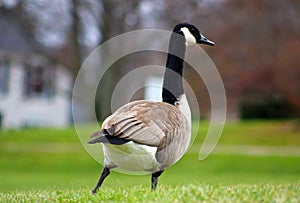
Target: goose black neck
(172, 85)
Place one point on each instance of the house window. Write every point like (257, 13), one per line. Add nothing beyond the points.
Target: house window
(39, 81)
(4, 77)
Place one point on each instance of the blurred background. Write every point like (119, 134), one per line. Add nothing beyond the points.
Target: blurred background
(44, 43)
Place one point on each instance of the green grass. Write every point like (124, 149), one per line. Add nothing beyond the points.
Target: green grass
(51, 165)
(196, 192)
(270, 133)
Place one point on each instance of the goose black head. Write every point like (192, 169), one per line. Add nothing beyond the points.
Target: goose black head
(192, 34)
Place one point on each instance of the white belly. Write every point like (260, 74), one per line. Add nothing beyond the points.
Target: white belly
(131, 156)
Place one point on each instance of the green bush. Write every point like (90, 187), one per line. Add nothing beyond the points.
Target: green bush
(267, 108)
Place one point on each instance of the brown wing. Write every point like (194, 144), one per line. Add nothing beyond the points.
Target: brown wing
(145, 122)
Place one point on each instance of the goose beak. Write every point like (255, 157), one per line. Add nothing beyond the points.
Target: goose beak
(204, 40)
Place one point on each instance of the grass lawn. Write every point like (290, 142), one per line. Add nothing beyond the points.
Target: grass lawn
(254, 161)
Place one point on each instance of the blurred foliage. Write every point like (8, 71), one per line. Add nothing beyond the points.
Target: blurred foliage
(257, 42)
(266, 108)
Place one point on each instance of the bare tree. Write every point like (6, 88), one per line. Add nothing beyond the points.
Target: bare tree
(118, 17)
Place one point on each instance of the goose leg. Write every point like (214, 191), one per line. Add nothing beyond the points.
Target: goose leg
(104, 174)
(154, 179)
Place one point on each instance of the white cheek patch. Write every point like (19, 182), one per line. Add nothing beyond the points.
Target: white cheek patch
(189, 38)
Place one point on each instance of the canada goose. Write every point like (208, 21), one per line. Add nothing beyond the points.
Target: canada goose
(147, 135)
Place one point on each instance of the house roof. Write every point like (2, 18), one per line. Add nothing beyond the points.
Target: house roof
(12, 35)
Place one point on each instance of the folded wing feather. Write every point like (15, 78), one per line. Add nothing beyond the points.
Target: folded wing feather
(144, 122)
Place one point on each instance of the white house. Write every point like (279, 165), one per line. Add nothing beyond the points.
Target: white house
(33, 92)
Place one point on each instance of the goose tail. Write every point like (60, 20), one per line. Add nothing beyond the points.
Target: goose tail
(98, 137)
(104, 137)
